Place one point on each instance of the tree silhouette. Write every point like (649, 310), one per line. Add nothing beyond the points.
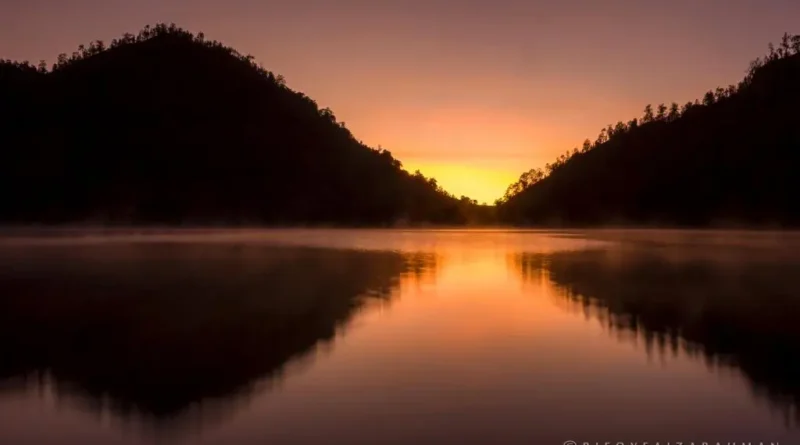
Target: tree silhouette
(168, 127)
(527, 179)
(674, 112)
(728, 160)
(648, 114)
(662, 112)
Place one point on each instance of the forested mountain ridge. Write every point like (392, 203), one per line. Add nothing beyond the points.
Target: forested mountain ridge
(168, 127)
(730, 158)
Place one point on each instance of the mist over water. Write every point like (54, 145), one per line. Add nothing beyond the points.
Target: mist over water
(395, 337)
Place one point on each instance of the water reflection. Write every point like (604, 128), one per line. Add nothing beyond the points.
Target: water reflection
(170, 335)
(734, 308)
(180, 333)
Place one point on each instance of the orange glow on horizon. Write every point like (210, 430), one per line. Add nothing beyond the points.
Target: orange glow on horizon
(471, 150)
(482, 184)
(472, 96)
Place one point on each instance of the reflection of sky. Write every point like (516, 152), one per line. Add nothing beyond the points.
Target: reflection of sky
(478, 345)
(481, 352)
(472, 94)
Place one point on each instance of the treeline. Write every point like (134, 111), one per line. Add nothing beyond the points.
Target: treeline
(728, 158)
(168, 127)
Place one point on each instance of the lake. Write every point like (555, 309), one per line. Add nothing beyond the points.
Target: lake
(399, 337)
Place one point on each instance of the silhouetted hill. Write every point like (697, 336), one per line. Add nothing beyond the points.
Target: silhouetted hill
(730, 158)
(166, 127)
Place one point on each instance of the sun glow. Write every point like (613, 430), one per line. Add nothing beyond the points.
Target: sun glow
(480, 183)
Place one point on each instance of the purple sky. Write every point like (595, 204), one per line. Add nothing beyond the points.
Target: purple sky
(471, 92)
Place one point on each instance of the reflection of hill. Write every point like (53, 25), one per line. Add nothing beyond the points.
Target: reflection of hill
(422, 267)
(740, 309)
(152, 330)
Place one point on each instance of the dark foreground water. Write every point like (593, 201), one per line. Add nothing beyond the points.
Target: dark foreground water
(399, 337)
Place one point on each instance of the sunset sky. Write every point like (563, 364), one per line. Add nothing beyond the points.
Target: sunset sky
(469, 92)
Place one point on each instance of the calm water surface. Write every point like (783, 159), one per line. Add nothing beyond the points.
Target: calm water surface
(399, 337)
